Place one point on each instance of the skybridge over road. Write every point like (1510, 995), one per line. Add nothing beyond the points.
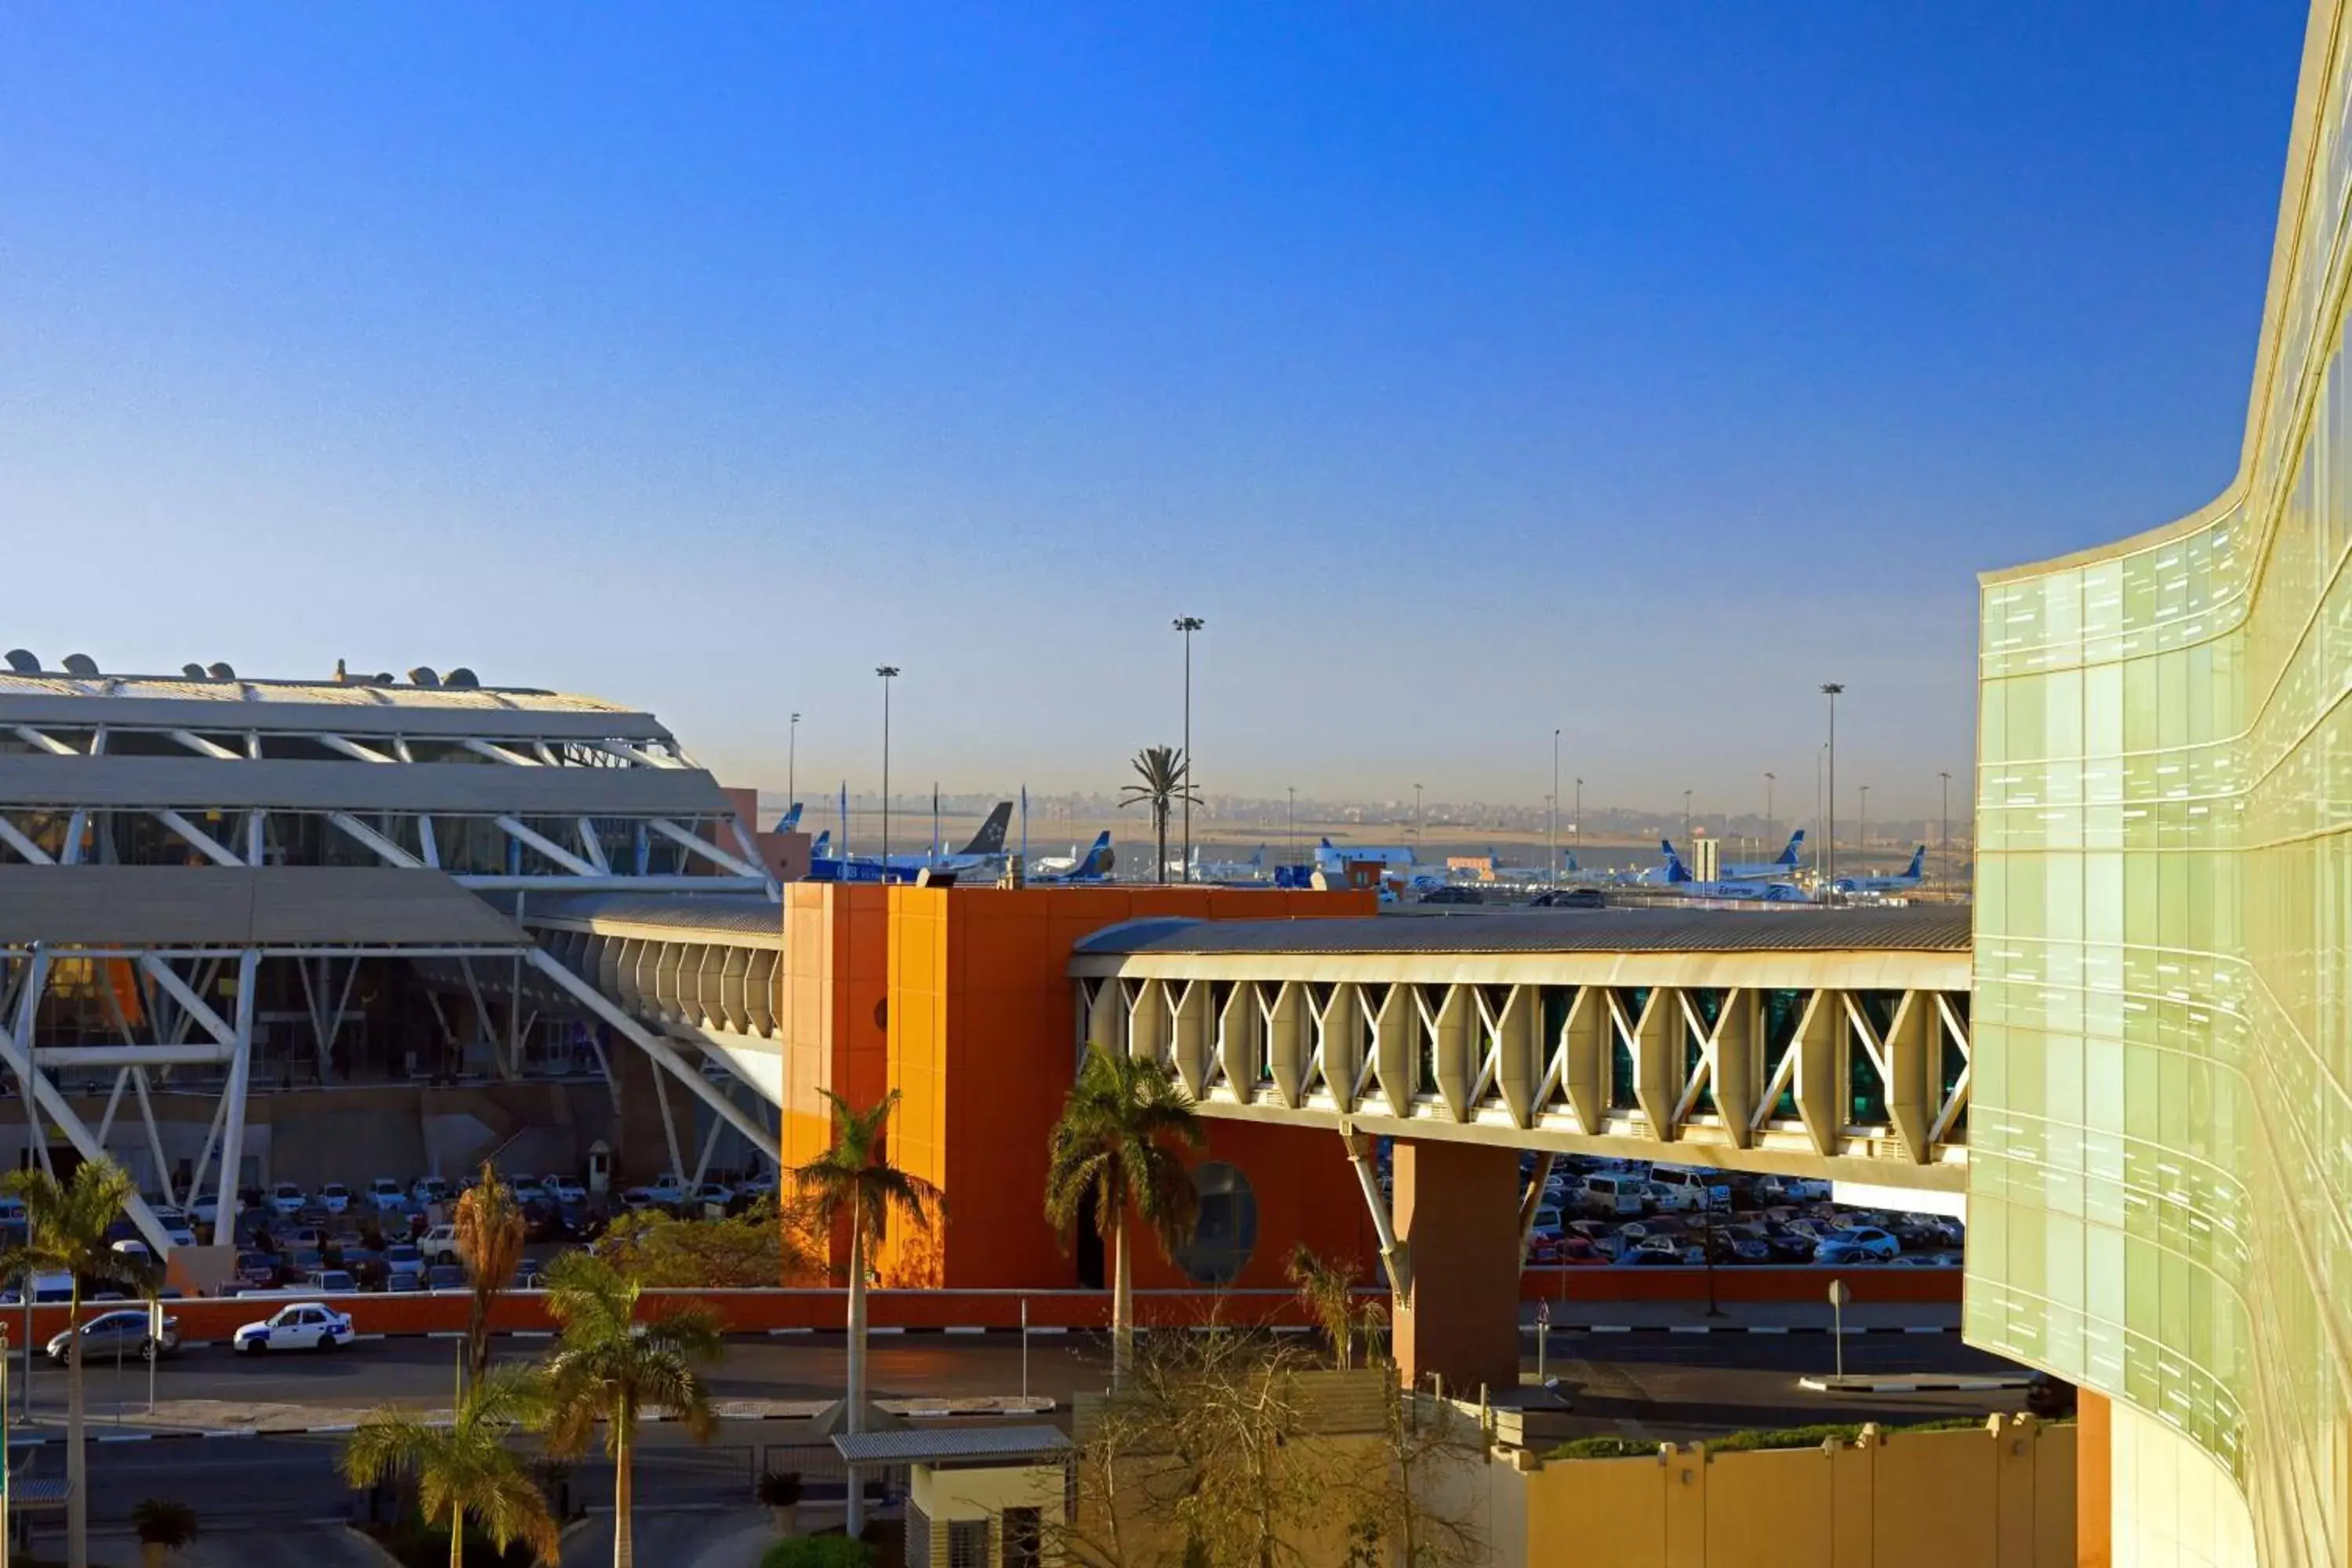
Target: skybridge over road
(1829, 1043)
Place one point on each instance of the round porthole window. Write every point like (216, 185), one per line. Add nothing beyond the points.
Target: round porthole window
(1226, 1230)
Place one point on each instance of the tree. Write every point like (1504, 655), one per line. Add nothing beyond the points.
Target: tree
(1417, 1505)
(742, 1252)
(489, 1243)
(1115, 1146)
(66, 1225)
(1328, 1292)
(854, 1180)
(607, 1367)
(464, 1471)
(1167, 783)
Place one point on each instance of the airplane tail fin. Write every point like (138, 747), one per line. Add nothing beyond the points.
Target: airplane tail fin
(823, 848)
(1097, 860)
(1788, 857)
(990, 839)
(1675, 871)
(1571, 861)
(791, 820)
(1917, 868)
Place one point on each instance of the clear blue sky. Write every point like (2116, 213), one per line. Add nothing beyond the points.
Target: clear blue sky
(1473, 369)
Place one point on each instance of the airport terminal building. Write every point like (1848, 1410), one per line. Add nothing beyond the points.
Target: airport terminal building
(2162, 1145)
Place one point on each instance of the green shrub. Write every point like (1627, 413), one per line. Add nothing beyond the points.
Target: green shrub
(161, 1522)
(1604, 1448)
(818, 1552)
(1786, 1438)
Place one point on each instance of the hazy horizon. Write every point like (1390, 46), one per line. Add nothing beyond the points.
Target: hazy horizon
(1624, 371)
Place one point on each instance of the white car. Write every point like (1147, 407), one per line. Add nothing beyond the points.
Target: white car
(286, 1199)
(668, 1190)
(387, 1194)
(567, 1189)
(526, 1189)
(440, 1245)
(714, 1198)
(430, 1189)
(301, 1326)
(335, 1198)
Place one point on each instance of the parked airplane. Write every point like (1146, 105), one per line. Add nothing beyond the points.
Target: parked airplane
(791, 821)
(1094, 866)
(1250, 871)
(1328, 858)
(1903, 881)
(1790, 860)
(1679, 878)
(986, 848)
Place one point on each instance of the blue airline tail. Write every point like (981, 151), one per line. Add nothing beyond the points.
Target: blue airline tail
(1675, 871)
(823, 848)
(791, 820)
(1788, 857)
(1916, 869)
(1097, 860)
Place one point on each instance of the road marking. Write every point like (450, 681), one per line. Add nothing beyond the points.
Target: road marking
(966, 1331)
(1690, 1329)
(775, 1332)
(886, 1331)
(1767, 1329)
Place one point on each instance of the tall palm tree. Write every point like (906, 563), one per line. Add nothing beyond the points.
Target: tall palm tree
(1166, 783)
(489, 1243)
(465, 1469)
(1328, 1292)
(608, 1367)
(855, 1179)
(1115, 1145)
(65, 1224)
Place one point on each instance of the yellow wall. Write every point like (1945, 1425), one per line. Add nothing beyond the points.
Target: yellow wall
(1997, 1497)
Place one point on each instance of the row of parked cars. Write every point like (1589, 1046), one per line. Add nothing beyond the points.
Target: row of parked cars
(1634, 1213)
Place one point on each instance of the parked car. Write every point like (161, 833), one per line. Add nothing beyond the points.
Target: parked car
(112, 1334)
(404, 1265)
(257, 1268)
(1569, 898)
(527, 1189)
(387, 1194)
(286, 1199)
(567, 1189)
(334, 1197)
(301, 1326)
(1683, 1190)
(440, 1245)
(1650, 1252)
(444, 1276)
(542, 1220)
(716, 1198)
(331, 1282)
(1612, 1193)
(1862, 1244)
(430, 1189)
(1453, 896)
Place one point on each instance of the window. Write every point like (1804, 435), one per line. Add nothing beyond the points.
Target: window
(1023, 1538)
(1224, 1232)
(967, 1543)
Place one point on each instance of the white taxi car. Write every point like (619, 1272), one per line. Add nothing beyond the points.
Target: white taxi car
(297, 1326)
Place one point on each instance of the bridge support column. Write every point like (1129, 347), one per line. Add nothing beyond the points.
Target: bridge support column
(1457, 1210)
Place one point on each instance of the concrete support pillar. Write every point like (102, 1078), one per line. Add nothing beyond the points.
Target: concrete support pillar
(1457, 1213)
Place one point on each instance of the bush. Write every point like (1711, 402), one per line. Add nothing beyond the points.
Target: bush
(779, 1488)
(818, 1552)
(164, 1523)
(1604, 1448)
(1812, 1436)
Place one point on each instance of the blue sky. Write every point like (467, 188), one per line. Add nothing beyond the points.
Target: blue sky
(1474, 370)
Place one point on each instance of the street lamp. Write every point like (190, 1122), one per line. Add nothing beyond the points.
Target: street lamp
(792, 765)
(1576, 824)
(1188, 625)
(1769, 777)
(1687, 837)
(1416, 815)
(1830, 689)
(888, 672)
(1293, 791)
(1862, 829)
(1552, 811)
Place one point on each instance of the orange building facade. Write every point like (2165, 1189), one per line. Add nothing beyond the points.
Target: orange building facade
(958, 998)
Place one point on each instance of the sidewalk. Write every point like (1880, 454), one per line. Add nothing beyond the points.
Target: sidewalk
(1744, 1317)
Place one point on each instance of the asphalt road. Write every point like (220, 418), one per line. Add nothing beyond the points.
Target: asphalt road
(1648, 1387)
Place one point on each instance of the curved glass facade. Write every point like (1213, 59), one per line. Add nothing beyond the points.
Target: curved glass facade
(2161, 1178)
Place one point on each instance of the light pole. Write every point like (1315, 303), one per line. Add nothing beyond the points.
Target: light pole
(1830, 689)
(793, 764)
(1416, 816)
(1576, 824)
(1687, 837)
(1551, 812)
(1188, 625)
(1769, 777)
(888, 672)
(1944, 833)
(1293, 791)
(1862, 830)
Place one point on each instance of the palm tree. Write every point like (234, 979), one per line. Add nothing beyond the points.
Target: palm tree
(1167, 783)
(1328, 1292)
(465, 1469)
(608, 1367)
(489, 1242)
(855, 1179)
(66, 1225)
(1115, 1146)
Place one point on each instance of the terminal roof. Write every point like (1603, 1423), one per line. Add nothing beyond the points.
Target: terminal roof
(1930, 928)
(219, 906)
(949, 1445)
(740, 914)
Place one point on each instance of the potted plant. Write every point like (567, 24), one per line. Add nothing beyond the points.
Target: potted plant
(163, 1527)
(780, 1491)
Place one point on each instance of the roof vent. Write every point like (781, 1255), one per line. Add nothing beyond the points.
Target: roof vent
(192, 671)
(23, 663)
(463, 678)
(423, 676)
(80, 664)
(220, 671)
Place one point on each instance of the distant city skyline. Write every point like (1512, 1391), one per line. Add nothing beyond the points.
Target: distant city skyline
(1624, 371)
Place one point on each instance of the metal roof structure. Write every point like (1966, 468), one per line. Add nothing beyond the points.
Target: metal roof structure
(952, 1445)
(218, 907)
(1936, 928)
(682, 915)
